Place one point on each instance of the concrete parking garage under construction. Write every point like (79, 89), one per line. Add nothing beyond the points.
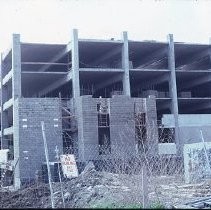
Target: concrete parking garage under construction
(88, 91)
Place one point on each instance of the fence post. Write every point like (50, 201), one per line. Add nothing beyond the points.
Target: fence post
(47, 162)
(60, 179)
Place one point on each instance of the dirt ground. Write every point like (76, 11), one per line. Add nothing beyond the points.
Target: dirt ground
(98, 189)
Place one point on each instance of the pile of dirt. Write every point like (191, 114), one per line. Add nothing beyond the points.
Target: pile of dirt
(23, 198)
(91, 189)
(102, 189)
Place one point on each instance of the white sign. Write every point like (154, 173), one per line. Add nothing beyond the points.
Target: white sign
(69, 166)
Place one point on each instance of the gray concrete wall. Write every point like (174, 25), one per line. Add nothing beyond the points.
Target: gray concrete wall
(30, 113)
(190, 126)
(192, 134)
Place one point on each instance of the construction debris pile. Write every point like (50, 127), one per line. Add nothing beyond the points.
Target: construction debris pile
(101, 189)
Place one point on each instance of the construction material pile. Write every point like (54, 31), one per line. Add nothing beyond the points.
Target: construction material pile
(91, 189)
(103, 189)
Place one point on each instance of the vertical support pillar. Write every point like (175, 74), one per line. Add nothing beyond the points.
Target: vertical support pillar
(16, 66)
(16, 94)
(125, 65)
(75, 64)
(77, 101)
(173, 88)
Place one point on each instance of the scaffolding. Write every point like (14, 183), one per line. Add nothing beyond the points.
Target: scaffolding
(103, 127)
(69, 126)
(103, 113)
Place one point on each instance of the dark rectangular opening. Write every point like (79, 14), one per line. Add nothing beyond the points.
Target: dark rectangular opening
(166, 135)
(140, 130)
(104, 141)
(103, 129)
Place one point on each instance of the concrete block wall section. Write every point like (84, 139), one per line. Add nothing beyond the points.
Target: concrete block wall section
(31, 111)
(192, 134)
(79, 116)
(151, 121)
(122, 124)
(87, 128)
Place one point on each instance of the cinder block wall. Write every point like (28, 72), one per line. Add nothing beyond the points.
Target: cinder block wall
(30, 113)
(87, 127)
(122, 125)
(152, 129)
(189, 135)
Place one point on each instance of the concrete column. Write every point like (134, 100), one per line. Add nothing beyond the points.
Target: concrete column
(16, 66)
(125, 65)
(173, 86)
(75, 64)
(16, 94)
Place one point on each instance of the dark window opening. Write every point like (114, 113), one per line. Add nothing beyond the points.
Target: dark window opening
(166, 135)
(140, 131)
(69, 127)
(103, 129)
(104, 141)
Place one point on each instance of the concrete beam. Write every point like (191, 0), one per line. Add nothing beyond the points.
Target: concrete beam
(7, 77)
(173, 88)
(75, 65)
(153, 57)
(110, 81)
(8, 104)
(100, 40)
(125, 65)
(56, 84)
(8, 131)
(61, 54)
(6, 52)
(107, 55)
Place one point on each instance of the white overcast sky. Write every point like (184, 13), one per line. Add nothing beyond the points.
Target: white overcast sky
(51, 21)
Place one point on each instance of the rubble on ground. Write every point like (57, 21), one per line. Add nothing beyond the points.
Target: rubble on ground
(99, 189)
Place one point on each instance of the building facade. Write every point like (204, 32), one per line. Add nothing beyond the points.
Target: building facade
(88, 92)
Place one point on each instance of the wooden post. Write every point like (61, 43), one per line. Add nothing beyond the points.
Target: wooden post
(47, 162)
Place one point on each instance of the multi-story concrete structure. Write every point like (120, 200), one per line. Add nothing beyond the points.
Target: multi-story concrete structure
(88, 91)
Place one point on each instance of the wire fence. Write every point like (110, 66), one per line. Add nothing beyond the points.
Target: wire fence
(114, 175)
